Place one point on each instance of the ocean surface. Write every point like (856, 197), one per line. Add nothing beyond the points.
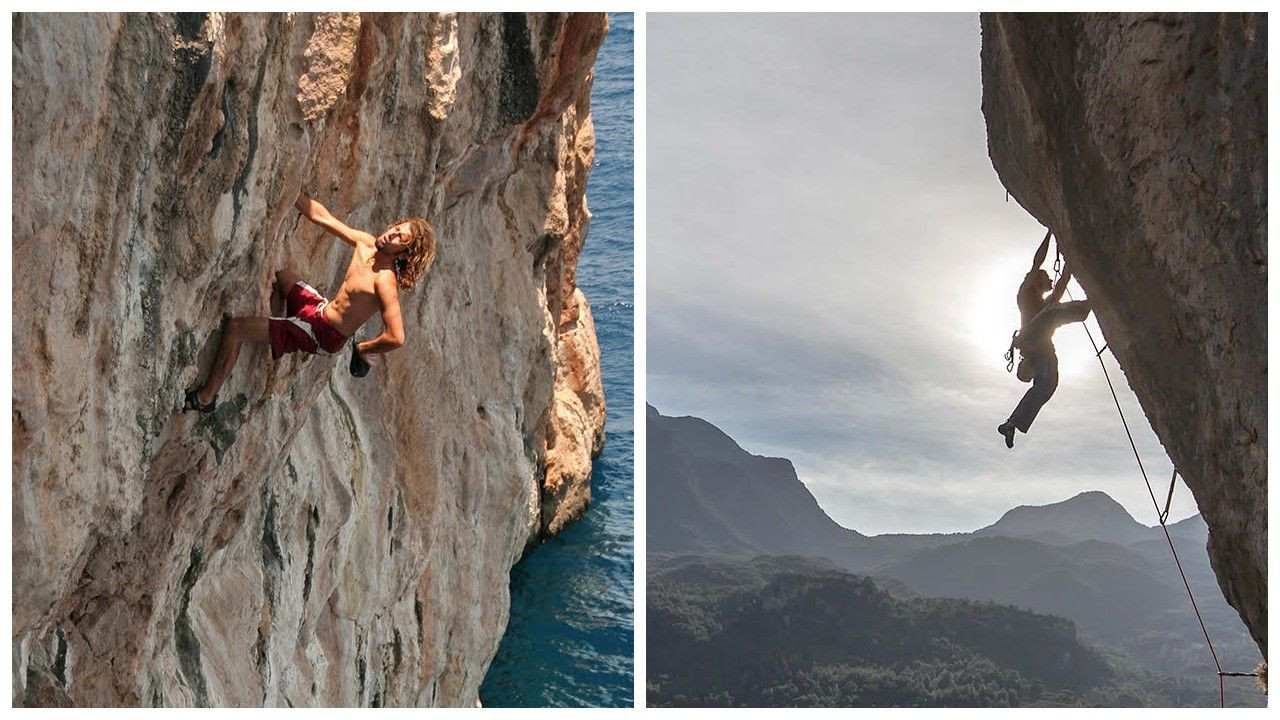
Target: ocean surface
(569, 642)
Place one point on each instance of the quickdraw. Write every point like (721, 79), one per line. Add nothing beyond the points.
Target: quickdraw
(1008, 356)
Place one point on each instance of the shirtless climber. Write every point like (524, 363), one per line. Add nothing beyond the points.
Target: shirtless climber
(308, 322)
(1041, 316)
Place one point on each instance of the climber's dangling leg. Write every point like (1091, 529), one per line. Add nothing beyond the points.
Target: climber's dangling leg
(1044, 382)
(1040, 361)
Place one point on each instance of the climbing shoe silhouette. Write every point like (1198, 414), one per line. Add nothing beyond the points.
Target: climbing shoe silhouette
(1007, 430)
(359, 366)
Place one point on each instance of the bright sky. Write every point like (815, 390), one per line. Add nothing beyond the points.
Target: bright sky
(832, 268)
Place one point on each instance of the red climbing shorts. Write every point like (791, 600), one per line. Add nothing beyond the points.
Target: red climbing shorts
(305, 329)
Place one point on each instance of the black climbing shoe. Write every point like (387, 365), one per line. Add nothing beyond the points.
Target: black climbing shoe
(193, 403)
(359, 366)
(1007, 431)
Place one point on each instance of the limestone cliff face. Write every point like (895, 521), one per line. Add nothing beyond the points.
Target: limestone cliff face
(1141, 141)
(320, 539)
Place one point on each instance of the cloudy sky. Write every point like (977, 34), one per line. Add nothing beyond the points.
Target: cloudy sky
(832, 267)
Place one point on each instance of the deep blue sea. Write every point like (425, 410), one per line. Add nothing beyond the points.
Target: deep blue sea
(569, 642)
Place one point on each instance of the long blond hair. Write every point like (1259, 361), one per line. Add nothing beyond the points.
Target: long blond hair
(413, 263)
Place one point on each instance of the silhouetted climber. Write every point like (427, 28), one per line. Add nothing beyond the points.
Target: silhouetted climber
(379, 267)
(1041, 316)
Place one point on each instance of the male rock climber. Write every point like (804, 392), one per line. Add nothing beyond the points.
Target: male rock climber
(305, 320)
(1041, 316)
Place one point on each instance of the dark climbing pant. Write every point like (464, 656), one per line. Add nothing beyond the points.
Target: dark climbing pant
(1036, 342)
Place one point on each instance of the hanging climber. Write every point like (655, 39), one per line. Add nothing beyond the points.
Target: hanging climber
(303, 319)
(1041, 316)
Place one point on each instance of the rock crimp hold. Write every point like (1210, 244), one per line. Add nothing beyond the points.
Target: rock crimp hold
(1141, 140)
(319, 539)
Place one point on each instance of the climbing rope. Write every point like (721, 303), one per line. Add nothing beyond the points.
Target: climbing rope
(1162, 515)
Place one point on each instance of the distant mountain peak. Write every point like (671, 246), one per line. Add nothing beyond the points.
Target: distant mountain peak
(709, 494)
(1092, 500)
(1092, 496)
(1090, 515)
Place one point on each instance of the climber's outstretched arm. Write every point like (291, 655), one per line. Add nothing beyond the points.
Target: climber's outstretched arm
(392, 335)
(320, 215)
(1042, 252)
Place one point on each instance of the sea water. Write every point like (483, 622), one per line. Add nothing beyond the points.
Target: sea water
(569, 641)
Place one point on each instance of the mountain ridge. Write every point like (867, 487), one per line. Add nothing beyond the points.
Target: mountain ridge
(1083, 514)
(1084, 558)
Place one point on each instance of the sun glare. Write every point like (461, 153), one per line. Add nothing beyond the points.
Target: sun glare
(993, 316)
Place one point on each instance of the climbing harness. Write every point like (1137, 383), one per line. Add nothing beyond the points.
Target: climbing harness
(1008, 356)
(1163, 515)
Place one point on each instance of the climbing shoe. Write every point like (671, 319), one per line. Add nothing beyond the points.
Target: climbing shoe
(359, 366)
(193, 403)
(1007, 431)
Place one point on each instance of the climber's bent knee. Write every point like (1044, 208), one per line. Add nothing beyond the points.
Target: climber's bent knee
(285, 279)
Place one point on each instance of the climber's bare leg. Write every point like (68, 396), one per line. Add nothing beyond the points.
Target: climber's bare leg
(285, 279)
(237, 331)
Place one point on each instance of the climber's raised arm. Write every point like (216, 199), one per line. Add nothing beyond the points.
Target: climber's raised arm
(1061, 287)
(392, 335)
(1042, 252)
(320, 215)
